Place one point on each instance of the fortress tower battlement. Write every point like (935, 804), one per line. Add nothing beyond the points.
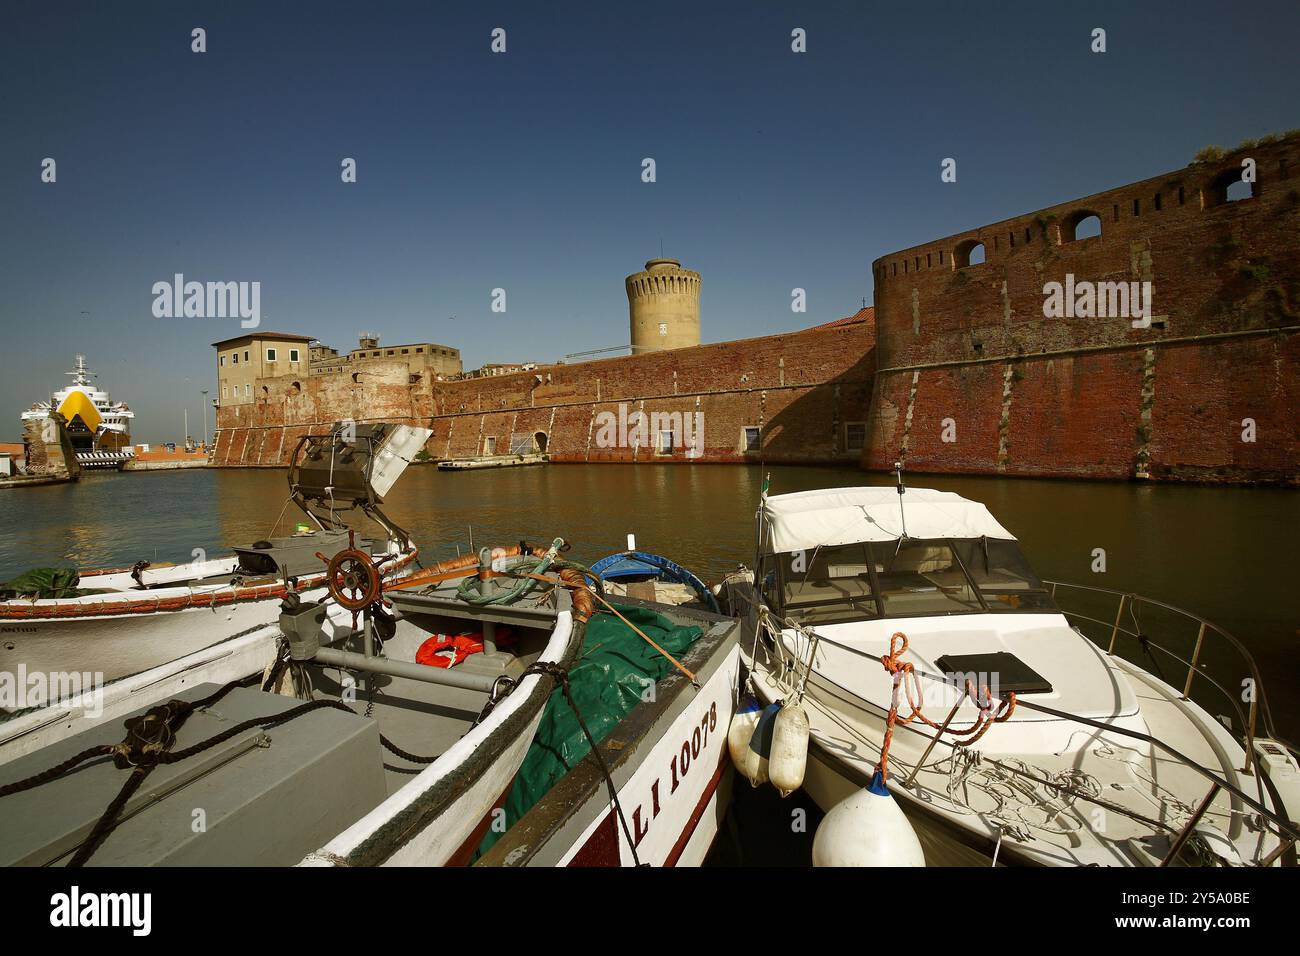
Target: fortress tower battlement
(663, 307)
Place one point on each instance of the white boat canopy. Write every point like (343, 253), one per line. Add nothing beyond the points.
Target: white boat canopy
(805, 520)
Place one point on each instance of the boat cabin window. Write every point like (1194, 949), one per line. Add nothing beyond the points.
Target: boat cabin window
(1003, 576)
(922, 577)
(827, 585)
(910, 578)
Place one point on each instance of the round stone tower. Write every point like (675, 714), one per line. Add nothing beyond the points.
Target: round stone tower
(663, 304)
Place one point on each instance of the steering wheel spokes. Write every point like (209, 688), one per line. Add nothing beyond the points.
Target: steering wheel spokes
(353, 578)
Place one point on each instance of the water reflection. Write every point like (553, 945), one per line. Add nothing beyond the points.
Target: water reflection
(1224, 552)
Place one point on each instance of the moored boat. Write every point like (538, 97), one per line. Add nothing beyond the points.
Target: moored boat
(99, 428)
(322, 741)
(121, 621)
(653, 577)
(937, 671)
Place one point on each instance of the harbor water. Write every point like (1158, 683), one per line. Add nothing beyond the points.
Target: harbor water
(1225, 553)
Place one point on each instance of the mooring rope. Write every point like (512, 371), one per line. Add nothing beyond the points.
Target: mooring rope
(561, 676)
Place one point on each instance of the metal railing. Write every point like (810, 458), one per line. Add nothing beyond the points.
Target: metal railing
(1127, 601)
(1287, 832)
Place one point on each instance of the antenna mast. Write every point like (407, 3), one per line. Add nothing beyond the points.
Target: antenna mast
(898, 478)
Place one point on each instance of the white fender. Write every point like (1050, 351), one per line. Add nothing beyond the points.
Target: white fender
(789, 757)
(867, 828)
(743, 722)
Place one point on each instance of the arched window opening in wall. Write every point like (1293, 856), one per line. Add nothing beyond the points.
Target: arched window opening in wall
(968, 253)
(1238, 190)
(1227, 187)
(1084, 224)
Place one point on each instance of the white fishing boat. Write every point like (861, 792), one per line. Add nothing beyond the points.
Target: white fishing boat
(337, 738)
(924, 666)
(123, 621)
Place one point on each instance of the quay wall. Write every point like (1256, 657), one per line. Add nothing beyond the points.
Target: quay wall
(972, 377)
(802, 389)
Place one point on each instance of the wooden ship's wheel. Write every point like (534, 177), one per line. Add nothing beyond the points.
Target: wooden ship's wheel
(353, 578)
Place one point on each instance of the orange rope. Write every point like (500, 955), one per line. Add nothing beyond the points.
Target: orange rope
(905, 674)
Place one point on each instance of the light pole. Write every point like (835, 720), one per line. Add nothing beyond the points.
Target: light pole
(204, 393)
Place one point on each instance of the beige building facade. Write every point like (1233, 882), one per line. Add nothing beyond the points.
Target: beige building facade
(245, 359)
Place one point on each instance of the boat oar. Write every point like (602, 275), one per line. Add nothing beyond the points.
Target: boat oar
(674, 661)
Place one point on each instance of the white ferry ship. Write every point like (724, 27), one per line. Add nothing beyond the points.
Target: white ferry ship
(100, 428)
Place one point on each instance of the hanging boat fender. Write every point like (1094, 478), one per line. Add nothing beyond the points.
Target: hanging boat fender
(743, 723)
(760, 744)
(789, 755)
(867, 828)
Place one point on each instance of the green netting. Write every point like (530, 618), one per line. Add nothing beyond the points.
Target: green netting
(608, 680)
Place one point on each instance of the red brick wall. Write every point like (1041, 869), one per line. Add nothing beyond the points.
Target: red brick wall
(1095, 397)
(801, 388)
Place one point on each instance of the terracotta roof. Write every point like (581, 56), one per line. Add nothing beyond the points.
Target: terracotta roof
(286, 336)
(865, 314)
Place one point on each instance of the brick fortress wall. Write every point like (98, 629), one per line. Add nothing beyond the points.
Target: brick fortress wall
(801, 388)
(966, 353)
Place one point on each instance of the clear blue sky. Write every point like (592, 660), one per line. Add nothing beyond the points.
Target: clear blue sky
(522, 170)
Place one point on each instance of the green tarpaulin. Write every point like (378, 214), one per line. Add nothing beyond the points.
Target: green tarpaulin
(611, 675)
(44, 583)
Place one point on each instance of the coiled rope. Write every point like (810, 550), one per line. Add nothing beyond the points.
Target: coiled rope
(904, 674)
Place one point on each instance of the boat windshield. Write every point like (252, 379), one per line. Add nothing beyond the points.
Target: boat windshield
(905, 578)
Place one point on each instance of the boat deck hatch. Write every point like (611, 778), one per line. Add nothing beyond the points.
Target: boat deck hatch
(1001, 672)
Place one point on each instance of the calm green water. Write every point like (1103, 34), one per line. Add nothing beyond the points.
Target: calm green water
(1226, 553)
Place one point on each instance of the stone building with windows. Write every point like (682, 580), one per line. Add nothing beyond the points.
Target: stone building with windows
(423, 358)
(246, 359)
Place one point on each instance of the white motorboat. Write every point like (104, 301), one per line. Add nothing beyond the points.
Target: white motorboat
(928, 656)
(122, 621)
